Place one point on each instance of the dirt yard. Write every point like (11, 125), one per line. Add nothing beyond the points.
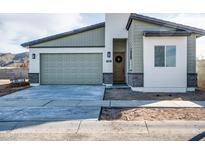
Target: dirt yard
(10, 88)
(151, 114)
(3, 82)
(128, 94)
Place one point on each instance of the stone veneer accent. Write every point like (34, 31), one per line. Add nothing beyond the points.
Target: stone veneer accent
(33, 77)
(108, 78)
(136, 79)
(192, 80)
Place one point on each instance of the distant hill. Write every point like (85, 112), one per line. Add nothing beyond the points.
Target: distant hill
(14, 60)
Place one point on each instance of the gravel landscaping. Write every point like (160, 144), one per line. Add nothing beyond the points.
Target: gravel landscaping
(152, 114)
(128, 94)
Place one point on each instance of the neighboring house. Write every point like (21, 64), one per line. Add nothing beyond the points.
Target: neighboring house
(148, 54)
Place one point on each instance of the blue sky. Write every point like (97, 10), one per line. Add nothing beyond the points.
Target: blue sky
(93, 18)
(20, 28)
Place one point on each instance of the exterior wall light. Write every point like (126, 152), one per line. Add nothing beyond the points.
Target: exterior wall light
(33, 56)
(108, 54)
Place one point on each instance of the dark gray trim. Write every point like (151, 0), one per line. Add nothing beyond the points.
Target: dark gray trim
(136, 79)
(68, 47)
(163, 23)
(53, 37)
(108, 78)
(192, 80)
(33, 77)
(166, 33)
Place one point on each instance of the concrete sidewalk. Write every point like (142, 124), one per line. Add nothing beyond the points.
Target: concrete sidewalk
(73, 120)
(103, 130)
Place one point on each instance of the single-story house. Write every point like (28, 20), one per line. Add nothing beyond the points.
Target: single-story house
(148, 54)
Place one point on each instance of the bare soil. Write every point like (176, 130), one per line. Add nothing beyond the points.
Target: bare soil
(3, 82)
(128, 94)
(10, 88)
(152, 114)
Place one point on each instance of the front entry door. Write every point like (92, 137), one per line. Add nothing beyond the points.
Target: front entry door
(119, 67)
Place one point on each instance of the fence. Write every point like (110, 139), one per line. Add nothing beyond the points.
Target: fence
(13, 73)
(201, 73)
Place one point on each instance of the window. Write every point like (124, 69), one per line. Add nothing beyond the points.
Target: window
(130, 53)
(163, 58)
(159, 52)
(130, 59)
(171, 56)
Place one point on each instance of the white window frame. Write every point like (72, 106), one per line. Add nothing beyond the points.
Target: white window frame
(165, 55)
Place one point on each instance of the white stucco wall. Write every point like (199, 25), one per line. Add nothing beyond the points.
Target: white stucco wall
(165, 79)
(34, 64)
(115, 27)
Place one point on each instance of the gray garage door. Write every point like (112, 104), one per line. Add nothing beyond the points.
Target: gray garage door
(71, 68)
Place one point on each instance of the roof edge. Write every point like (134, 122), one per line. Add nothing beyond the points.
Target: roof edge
(163, 22)
(60, 35)
(165, 33)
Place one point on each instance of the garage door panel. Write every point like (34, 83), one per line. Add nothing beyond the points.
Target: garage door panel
(71, 68)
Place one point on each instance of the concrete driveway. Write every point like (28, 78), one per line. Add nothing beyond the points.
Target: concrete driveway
(58, 92)
(53, 103)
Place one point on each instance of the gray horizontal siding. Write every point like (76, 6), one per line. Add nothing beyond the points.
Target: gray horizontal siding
(95, 37)
(135, 41)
